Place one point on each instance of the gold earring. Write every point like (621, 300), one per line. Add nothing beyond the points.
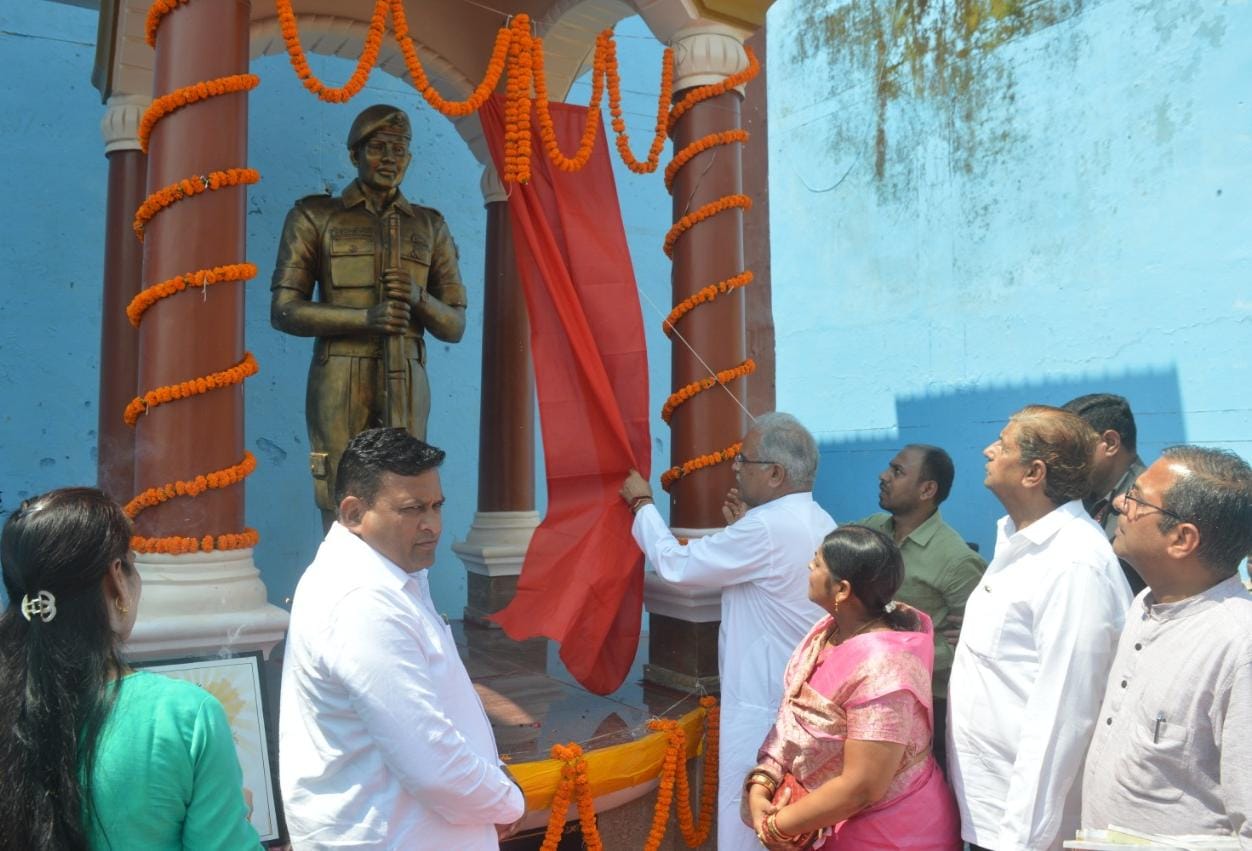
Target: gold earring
(117, 601)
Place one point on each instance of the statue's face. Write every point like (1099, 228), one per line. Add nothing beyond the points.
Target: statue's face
(382, 159)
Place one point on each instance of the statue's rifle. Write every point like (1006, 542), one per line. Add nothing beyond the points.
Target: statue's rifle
(395, 357)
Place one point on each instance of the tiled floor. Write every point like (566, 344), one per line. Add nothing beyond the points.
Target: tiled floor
(534, 703)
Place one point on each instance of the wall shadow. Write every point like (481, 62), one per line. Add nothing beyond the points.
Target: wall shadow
(963, 422)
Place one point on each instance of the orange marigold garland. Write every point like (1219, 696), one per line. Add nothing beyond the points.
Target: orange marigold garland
(708, 789)
(179, 98)
(186, 389)
(547, 131)
(699, 146)
(686, 468)
(703, 93)
(701, 296)
(156, 14)
(223, 478)
(662, 110)
(365, 64)
(451, 109)
(517, 141)
(574, 785)
(721, 205)
(188, 187)
(176, 545)
(199, 278)
(684, 394)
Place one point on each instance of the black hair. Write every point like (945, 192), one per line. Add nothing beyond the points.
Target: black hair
(936, 467)
(1214, 495)
(55, 675)
(870, 562)
(377, 451)
(1104, 411)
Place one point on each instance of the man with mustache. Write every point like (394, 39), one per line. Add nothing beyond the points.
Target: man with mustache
(383, 742)
(940, 570)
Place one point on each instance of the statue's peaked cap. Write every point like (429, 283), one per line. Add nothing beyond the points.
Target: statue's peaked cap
(379, 117)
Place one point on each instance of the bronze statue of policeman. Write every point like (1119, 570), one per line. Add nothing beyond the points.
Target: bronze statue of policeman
(385, 272)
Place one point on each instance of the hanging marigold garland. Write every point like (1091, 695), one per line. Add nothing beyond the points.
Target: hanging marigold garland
(179, 98)
(189, 187)
(661, 133)
(574, 785)
(156, 202)
(199, 278)
(451, 109)
(674, 778)
(547, 130)
(365, 64)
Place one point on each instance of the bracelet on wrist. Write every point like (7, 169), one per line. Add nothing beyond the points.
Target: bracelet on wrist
(638, 502)
(760, 778)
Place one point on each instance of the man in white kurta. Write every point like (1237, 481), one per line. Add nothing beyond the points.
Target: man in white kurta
(760, 564)
(1037, 642)
(383, 742)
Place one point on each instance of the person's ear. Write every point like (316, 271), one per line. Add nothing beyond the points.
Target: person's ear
(351, 512)
(1110, 443)
(929, 490)
(1036, 474)
(1182, 541)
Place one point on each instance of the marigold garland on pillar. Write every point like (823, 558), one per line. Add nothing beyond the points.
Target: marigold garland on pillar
(161, 108)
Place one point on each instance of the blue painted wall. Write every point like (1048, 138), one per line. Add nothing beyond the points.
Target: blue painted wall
(978, 204)
(52, 251)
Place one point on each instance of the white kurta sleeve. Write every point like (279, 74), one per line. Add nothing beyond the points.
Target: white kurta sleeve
(1077, 620)
(380, 655)
(741, 552)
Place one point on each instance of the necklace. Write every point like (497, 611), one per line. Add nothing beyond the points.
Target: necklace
(858, 631)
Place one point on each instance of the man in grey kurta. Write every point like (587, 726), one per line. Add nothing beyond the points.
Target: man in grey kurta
(1172, 752)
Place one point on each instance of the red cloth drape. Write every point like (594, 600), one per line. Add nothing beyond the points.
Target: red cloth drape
(582, 580)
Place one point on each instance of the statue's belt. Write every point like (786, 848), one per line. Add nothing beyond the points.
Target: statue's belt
(365, 347)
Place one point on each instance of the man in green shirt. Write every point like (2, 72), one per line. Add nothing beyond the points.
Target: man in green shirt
(940, 570)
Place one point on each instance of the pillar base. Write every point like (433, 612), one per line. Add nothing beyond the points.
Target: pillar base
(493, 552)
(683, 625)
(203, 604)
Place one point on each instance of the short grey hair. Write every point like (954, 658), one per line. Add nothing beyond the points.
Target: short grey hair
(1214, 495)
(789, 445)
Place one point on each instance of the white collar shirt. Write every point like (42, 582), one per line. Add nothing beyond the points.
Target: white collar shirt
(1034, 655)
(383, 742)
(760, 563)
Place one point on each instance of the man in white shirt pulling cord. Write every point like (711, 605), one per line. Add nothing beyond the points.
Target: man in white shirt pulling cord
(383, 742)
(1037, 642)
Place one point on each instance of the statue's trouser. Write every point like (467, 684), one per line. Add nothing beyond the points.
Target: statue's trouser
(345, 397)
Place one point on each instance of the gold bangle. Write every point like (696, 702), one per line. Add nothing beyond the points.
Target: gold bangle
(637, 503)
(776, 832)
(760, 778)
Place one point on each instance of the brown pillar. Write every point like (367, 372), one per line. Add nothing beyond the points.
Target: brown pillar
(506, 432)
(495, 546)
(123, 262)
(683, 625)
(195, 333)
(762, 385)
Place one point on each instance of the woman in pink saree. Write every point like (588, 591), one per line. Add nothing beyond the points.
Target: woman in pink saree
(848, 764)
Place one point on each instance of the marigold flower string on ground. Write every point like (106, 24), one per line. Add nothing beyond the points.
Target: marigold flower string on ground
(699, 297)
(188, 187)
(156, 14)
(686, 468)
(300, 63)
(686, 393)
(199, 278)
(179, 98)
(175, 545)
(223, 478)
(214, 381)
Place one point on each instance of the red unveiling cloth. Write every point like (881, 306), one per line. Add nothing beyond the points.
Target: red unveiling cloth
(582, 580)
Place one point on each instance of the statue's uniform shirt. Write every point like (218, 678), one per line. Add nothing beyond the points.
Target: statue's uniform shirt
(760, 563)
(340, 244)
(1190, 664)
(1029, 671)
(383, 742)
(940, 572)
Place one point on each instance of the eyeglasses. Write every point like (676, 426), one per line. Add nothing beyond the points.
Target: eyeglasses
(1133, 506)
(739, 459)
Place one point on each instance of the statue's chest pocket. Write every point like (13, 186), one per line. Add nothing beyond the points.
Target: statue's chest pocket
(415, 254)
(352, 259)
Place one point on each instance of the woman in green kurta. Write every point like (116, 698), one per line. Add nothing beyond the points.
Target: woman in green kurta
(93, 755)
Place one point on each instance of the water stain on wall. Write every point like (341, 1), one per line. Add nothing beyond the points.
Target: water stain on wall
(948, 52)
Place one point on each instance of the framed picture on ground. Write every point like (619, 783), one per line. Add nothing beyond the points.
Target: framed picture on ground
(236, 683)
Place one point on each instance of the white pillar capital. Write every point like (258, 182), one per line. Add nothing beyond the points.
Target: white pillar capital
(120, 125)
(707, 53)
(492, 186)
